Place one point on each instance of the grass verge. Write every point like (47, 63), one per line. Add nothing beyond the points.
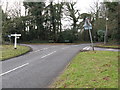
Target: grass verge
(8, 51)
(108, 46)
(92, 69)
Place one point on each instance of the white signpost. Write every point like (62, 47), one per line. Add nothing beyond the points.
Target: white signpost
(88, 26)
(16, 36)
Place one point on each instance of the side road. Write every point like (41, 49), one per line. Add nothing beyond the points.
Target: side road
(100, 49)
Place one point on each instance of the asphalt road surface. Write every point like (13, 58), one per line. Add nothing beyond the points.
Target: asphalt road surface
(39, 68)
(101, 49)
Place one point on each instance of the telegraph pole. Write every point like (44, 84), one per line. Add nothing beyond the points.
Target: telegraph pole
(105, 36)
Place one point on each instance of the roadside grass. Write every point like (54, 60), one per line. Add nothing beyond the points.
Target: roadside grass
(8, 51)
(91, 69)
(108, 46)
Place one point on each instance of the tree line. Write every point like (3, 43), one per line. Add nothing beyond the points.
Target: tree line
(44, 22)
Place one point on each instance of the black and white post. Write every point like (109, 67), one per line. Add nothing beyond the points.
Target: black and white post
(88, 26)
(15, 42)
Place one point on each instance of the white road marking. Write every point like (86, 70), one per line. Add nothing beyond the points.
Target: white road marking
(75, 45)
(54, 46)
(37, 51)
(44, 49)
(110, 49)
(86, 48)
(65, 47)
(13, 69)
(41, 49)
(48, 54)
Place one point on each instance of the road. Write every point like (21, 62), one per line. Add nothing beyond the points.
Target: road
(101, 49)
(38, 69)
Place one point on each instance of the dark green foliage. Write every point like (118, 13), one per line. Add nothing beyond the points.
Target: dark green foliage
(101, 34)
(66, 36)
(106, 10)
(113, 9)
(74, 16)
(43, 22)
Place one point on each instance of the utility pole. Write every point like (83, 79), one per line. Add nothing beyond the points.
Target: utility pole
(105, 36)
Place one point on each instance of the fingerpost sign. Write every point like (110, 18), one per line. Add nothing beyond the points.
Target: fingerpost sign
(16, 36)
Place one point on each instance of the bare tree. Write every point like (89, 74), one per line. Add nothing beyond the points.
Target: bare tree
(98, 13)
(95, 9)
(14, 9)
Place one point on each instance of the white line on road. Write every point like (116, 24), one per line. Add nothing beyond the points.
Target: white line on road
(86, 48)
(37, 51)
(48, 54)
(65, 47)
(45, 48)
(13, 69)
(110, 49)
(54, 46)
(75, 45)
(41, 49)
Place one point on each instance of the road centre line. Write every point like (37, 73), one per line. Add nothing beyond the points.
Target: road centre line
(54, 46)
(65, 47)
(48, 54)
(14, 69)
(44, 49)
(37, 51)
(75, 45)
